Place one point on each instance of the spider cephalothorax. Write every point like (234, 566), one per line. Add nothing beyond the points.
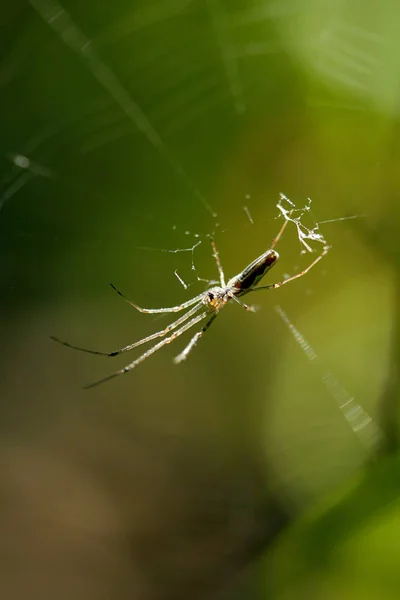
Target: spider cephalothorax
(216, 298)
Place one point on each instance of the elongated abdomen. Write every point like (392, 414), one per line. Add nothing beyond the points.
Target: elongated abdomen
(254, 272)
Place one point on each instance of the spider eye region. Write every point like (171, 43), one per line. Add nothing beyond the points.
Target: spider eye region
(215, 298)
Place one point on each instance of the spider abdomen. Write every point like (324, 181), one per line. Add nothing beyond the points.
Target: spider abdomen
(253, 273)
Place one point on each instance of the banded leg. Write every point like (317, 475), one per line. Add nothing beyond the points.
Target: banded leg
(183, 355)
(242, 304)
(274, 286)
(217, 260)
(172, 309)
(149, 338)
(152, 350)
(279, 234)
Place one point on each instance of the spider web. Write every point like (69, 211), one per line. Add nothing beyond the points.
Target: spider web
(132, 82)
(361, 423)
(350, 55)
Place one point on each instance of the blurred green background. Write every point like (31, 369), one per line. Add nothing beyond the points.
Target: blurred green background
(129, 129)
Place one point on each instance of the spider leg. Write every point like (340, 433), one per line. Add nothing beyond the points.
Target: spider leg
(152, 350)
(219, 266)
(56, 339)
(149, 338)
(242, 304)
(183, 355)
(274, 286)
(172, 309)
(279, 234)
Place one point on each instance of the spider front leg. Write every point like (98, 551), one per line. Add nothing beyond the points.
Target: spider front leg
(172, 309)
(152, 350)
(145, 340)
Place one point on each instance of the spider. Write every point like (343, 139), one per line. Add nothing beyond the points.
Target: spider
(204, 307)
